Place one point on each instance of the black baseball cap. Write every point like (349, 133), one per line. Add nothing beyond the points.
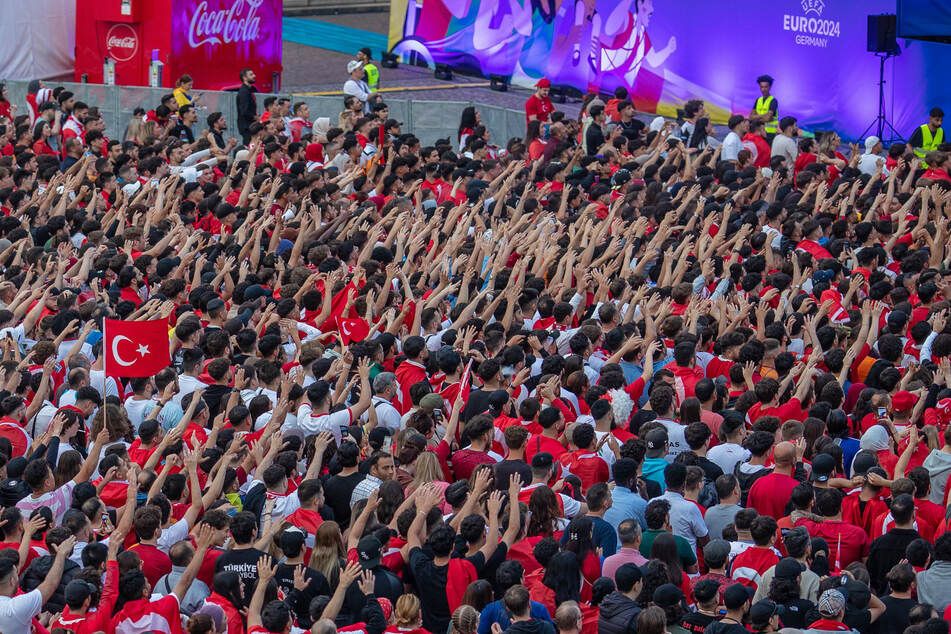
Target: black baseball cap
(823, 466)
(368, 550)
(763, 611)
(77, 591)
(736, 595)
(668, 595)
(788, 568)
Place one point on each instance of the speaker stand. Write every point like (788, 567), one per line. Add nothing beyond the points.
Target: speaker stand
(881, 122)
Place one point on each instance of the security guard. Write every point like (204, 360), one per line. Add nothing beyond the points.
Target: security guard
(929, 136)
(766, 107)
(373, 73)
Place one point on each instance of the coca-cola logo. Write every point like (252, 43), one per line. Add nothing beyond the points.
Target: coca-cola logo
(237, 23)
(122, 42)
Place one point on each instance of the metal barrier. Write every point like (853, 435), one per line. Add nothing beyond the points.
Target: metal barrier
(428, 120)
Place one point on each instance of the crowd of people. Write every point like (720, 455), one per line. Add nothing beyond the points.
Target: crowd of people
(615, 376)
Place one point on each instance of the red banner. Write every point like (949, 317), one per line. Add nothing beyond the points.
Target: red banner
(213, 40)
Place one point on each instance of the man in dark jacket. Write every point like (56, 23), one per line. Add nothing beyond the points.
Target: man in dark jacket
(40, 568)
(517, 602)
(247, 106)
(619, 610)
(889, 549)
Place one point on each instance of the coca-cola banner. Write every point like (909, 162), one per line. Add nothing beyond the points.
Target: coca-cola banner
(212, 40)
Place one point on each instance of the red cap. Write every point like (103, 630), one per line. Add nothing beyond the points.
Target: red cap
(543, 83)
(903, 401)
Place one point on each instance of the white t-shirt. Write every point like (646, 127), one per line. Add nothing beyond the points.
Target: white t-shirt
(186, 385)
(386, 415)
(314, 424)
(58, 500)
(17, 612)
(727, 455)
(732, 145)
(137, 410)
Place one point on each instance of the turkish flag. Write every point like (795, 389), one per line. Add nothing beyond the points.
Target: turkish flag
(465, 382)
(135, 348)
(352, 329)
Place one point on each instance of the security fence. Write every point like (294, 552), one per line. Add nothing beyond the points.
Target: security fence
(428, 120)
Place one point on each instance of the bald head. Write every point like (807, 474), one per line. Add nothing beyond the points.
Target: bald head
(785, 454)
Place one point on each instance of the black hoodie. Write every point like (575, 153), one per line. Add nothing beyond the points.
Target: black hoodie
(618, 614)
(38, 570)
(532, 626)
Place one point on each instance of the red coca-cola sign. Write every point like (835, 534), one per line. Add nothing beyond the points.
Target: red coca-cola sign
(122, 42)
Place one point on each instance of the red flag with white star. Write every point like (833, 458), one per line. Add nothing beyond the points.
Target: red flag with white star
(135, 348)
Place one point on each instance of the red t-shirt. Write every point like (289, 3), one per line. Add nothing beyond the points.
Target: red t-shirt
(749, 566)
(719, 366)
(465, 461)
(155, 563)
(769, 494)
(589, 467)
(541, 108)
(847, 542)
(538, 444)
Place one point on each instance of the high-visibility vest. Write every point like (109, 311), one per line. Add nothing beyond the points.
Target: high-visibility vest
(929, 142)
(762, 107)
(373, 76)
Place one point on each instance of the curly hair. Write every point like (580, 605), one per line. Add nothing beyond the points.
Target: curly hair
(543, 506)
(118, 424)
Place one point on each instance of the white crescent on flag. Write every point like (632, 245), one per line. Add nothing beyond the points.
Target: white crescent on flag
(115, 351)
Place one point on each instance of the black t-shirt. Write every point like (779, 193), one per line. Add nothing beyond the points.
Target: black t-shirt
(796, 611)
(711, 470)
(183, 132)
(431, 583)
(337, 492)
(243, 561)
(507, 468)
(318, 586)
(696, 622)
(895, 618)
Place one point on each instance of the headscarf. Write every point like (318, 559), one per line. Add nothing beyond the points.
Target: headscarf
(216, 613)
(321, 126)
(852, 397)
(875, 439)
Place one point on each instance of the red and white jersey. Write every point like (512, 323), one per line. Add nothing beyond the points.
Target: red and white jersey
(73, 128)
(145, 615)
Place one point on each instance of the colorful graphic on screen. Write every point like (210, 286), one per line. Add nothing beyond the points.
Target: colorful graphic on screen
(668, 51)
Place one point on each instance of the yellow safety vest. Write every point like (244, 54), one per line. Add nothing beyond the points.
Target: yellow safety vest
(929, 143)
(373, 76)
(762, 107)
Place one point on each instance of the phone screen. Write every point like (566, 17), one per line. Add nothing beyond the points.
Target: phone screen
(881, 412)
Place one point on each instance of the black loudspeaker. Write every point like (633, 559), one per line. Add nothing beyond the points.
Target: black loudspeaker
(882, 34)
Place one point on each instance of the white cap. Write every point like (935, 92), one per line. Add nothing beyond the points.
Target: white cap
(242, 155)
(131, 188)
(657, 124)
(870, 143)
(353, 65)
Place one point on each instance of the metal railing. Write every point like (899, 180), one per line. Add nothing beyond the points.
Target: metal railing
(428, 120)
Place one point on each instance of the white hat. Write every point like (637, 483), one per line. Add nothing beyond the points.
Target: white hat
(870, 143)
(353, 65)
(131, 188)
(242, 155)
(657, 124)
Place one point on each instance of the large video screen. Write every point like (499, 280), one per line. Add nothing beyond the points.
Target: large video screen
(668, 51)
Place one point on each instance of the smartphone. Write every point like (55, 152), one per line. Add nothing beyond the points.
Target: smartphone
(881, 412)
(388, 444)
(437, 414)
